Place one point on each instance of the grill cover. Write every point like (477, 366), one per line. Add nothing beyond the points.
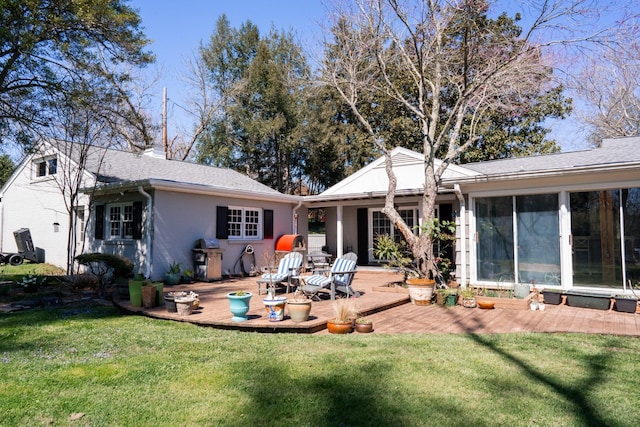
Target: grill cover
(207, 244)
(288, 242)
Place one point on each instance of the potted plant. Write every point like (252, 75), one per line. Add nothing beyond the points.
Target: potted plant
(344, 311)
(149, 291)
(239, 305)
(299, 307)
(394, 253)
(552, 296)
(170, 300)
(172, 277)
(625, 303)
(274, 305)
(468, 295)
(184, 304)
(364, 325)
(135, 290)
(187, 276)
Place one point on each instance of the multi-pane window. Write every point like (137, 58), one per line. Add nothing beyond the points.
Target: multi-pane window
(120, 221)
(46, 167)
(245, 223)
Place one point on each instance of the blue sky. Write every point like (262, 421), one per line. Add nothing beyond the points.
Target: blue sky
(177, 28)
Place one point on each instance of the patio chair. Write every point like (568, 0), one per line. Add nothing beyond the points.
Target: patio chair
(319, 261)
(338, 278)
(288, 268)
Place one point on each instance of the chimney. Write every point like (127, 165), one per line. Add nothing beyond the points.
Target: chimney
(155, 152)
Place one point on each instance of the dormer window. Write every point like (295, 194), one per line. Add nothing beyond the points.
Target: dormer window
(46, 167)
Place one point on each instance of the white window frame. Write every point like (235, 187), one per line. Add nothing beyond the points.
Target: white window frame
(245, 223)
(125, 216)
(50, 165)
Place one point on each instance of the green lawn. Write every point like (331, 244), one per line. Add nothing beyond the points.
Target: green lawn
(124, 370)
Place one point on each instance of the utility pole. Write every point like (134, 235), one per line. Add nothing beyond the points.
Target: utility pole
(164, 121)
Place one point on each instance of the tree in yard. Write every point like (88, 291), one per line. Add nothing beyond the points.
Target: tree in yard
(6, 168)
(257, 85)
(609, 86)
(448, 69)
(51, 49)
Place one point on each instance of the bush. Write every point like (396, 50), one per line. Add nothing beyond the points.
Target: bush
(120, 266)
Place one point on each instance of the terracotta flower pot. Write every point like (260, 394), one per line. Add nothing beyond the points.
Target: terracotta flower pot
(364, 328)
(420, 290)
(299, 310)
(337, 327)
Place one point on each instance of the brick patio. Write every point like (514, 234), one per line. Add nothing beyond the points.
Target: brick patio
(392, 313)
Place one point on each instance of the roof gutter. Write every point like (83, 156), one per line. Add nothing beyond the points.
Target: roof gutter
(195, 189)
(149, 221)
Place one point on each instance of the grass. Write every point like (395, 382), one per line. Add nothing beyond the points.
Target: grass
(121, 370)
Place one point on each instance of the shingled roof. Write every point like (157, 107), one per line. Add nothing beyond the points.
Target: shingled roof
(115, 167)
(618, 151)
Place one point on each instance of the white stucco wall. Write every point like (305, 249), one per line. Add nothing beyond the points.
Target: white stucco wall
(35, 203)
(180, 219)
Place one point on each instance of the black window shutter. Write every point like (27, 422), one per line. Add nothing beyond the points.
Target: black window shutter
(137, 220)
(99, 225)
(222, 222)
(267, 227)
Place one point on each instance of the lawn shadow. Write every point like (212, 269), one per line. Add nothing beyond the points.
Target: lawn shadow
(577, 395)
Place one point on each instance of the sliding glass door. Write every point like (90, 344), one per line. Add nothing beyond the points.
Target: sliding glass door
(518, 239)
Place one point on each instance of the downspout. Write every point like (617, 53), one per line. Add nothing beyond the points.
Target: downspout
(148, 227)
(463, 234)
(295, 217)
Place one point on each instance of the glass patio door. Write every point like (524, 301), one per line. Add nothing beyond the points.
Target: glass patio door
(518, 239)
(595, 236)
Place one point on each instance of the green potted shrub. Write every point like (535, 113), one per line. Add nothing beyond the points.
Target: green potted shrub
(173, 276)
(396, 257)
(420, 281)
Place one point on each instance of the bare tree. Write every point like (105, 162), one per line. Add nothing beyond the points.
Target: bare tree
(446, 66)
(609, 87)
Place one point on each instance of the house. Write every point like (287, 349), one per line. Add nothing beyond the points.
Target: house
(144, 207)
(566, 220)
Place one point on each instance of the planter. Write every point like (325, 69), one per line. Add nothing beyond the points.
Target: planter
(364, 328)
(135, 292)
(275, 308)
(420, 290)
(184, 306)
(159, 293)
(239, 305)
(170, 302)
(486, 303)
(336, 327)
(625, 303)
(172, 278)
(149, 296)
(521, 290)
(552, 296)
(588, 300)
(299, 310)
(507, 303)
(469, 302)
(451, 300)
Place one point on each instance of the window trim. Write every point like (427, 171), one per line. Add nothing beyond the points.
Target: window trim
(259, 225)
(45, 167)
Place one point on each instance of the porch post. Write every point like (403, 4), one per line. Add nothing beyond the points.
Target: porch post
(339, 232)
